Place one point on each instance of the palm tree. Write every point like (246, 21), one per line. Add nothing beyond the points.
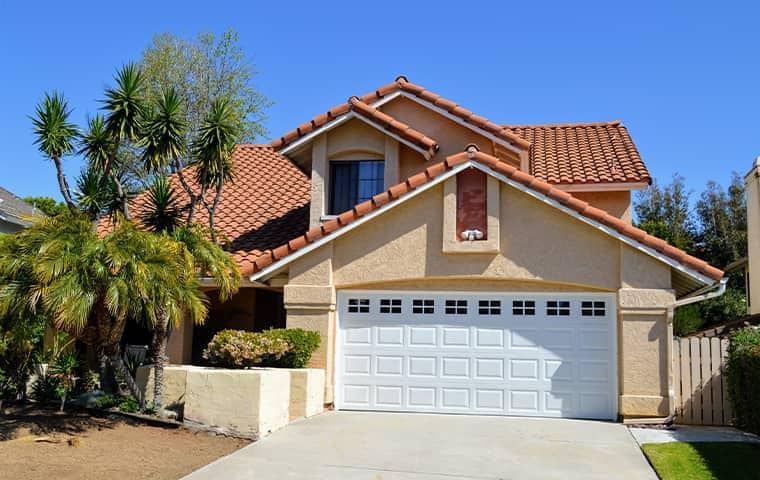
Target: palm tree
(163, 143)
(55, 136)
(213, 152)
(90, 286)
(122, 124)
(209, 260)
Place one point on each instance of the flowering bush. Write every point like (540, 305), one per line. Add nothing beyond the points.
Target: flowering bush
(241, 349)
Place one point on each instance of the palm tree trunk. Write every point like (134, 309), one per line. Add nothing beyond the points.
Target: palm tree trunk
(160, 340)
(63, 185)
(117, 363)
(212, 210)
(122, 198)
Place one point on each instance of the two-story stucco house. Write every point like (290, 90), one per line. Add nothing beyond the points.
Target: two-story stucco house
(453, 264)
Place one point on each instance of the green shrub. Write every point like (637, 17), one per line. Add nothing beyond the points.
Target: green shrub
(302, 344)
(107, 401)
(687, 320)
(285, 348)
(744, 377)
(729, 306)
(45, 388)
(241, 349)
(129, 404)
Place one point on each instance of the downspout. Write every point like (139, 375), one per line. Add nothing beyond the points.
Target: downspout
(711, 291)
(703, 294)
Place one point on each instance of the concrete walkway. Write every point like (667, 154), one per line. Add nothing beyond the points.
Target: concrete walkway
(398, 446)
(691, 433)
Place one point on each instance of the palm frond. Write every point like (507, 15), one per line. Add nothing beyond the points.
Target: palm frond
(164, 132)
(54, 134)
(213, 147)
(97, 144)
(162, 213)
(124, 104)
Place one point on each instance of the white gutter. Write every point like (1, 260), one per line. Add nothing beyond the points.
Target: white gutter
(704, 293)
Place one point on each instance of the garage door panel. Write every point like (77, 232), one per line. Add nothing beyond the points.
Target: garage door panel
(390, 336)
(489, 368)
(489, 338)
(480, 358)
(453, 337)
(423, 336)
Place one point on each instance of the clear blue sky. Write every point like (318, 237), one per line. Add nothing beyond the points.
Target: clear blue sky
(684, 78)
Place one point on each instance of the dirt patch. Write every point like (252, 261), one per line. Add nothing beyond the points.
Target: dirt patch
(39, 443)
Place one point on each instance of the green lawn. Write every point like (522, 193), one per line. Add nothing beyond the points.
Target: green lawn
(704, 460)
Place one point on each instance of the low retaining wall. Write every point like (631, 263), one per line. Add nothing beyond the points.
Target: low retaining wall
(250, 402)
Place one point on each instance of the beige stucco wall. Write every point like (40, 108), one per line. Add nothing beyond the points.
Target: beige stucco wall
(451, 137)
(538, 242)
(616, 203)
(644, 343)
(752, 183)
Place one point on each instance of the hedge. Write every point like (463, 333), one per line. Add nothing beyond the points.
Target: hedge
(286, 348)
(744, 378)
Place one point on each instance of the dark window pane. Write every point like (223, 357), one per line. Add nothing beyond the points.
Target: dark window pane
(353, 182)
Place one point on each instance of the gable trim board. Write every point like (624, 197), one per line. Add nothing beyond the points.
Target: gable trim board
(276, 259)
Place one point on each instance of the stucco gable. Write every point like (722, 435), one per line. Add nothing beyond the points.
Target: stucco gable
(434, 175)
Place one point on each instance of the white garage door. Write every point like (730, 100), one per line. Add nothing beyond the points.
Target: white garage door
(532, 354)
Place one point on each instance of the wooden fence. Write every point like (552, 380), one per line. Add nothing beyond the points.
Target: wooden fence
(701, 390)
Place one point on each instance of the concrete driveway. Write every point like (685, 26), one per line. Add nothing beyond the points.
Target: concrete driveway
(400, 446)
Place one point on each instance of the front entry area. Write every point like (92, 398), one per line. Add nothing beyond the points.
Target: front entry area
(489, 353)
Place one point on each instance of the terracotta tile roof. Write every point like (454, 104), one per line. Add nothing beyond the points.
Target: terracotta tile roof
(402, 84)
(582, 153)
(426, 143)
(576, 153)
(435, 170)
(265, 206)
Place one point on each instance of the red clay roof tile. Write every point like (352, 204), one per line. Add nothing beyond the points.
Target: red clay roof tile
(583, 153)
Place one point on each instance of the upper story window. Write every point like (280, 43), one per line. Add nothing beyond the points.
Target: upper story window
(354, 181)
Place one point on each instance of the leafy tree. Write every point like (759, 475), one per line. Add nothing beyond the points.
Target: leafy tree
(21, 337)
(90, 286)
(664, 211)
(715, 230)
(203, 70)
(48, 205)
(722, 217)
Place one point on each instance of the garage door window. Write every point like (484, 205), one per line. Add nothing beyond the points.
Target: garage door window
(358, 305)
(489, 307)
(390, 305)
(423, 306)
(592, 309)
(523, 307)
(558, 308)
(456, 307)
